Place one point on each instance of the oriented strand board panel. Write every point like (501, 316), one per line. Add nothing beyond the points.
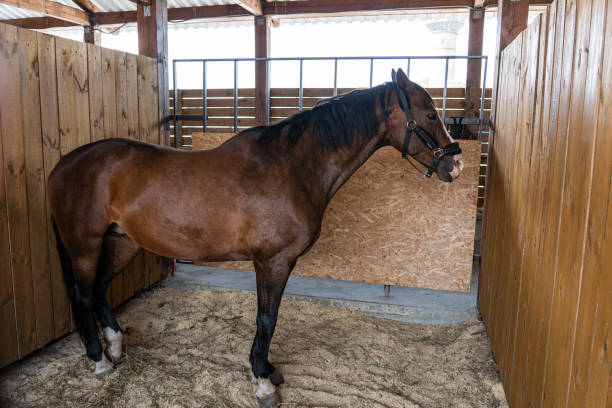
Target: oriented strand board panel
(390, 225)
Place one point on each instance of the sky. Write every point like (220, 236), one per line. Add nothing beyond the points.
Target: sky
(391, 35)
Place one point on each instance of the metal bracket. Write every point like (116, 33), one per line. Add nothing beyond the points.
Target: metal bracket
(146, 9)
(478, 13)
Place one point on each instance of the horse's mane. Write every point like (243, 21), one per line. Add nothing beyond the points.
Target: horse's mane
(336, 121)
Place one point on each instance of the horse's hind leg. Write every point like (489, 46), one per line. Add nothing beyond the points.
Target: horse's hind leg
(271, 278)
(83, 307)
(118, 251)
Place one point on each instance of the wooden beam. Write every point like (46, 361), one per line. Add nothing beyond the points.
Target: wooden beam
(252, 6)
(52, 9)
(339, 6)
(174, 14)
(474, 68)
(153, 42)
(189, 13)
(512, 17)
(87, 6)
(38, 23)
(262, 50)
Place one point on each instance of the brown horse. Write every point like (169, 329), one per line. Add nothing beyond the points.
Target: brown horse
(259, 196)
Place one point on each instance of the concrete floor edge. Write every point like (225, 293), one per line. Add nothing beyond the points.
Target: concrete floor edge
(424, 306)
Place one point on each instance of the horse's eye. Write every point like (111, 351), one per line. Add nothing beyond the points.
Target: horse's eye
(431, 116)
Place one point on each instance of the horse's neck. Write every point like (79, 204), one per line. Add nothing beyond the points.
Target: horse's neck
(343, 164)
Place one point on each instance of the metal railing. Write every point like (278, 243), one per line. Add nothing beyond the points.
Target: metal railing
(205, 62)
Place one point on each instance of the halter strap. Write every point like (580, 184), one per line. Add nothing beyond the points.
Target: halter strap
(423, 135)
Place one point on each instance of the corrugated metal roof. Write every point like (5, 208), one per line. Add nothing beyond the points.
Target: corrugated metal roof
(9, 12)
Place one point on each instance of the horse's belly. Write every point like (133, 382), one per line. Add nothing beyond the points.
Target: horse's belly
(196, 240)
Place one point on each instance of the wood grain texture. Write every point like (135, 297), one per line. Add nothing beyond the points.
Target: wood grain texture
(545, 266)
(15, 184)
(8, 324)
(56, 98)
(36, 187)
(380, 215)
(51, 155)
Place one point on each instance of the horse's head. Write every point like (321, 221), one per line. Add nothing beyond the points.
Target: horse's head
(415, 129)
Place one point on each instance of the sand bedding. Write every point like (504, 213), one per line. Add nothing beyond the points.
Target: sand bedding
(190, 349)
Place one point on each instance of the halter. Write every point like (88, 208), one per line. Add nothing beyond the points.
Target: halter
(426, 138)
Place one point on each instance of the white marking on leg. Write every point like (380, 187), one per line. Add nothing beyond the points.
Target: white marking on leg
(114, 340)
(265, 388)
(103, 366)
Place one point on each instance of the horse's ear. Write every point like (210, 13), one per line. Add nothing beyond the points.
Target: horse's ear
(393, 74)
(402, 80)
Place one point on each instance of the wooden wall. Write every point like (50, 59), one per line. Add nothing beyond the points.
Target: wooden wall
(546, 282)
(58, 94)
(390, 225)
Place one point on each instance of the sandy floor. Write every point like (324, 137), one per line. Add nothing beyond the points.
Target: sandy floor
(190, 349)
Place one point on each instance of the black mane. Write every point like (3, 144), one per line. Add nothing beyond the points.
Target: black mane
(336, 121)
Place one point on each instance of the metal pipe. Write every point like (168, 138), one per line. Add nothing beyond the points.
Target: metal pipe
(445, 89)
(204, 96)
(482, 98)
(175, 105)
(235, 96)
(301, 92)
(408, 68)
(371, 70)
(335, 76)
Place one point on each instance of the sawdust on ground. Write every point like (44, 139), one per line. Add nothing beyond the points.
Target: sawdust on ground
(190, 349)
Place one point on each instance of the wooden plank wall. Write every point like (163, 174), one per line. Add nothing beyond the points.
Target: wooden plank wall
(58, 94)
(546, 282)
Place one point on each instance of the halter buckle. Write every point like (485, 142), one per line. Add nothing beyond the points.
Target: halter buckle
(438, 153)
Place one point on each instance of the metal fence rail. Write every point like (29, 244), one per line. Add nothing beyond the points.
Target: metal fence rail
(205, 63)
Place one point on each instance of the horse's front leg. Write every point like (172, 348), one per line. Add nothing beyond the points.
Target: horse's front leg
(271, 277)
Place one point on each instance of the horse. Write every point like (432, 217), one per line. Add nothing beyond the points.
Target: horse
(259, 196)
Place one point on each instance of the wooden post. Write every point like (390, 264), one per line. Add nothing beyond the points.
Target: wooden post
(262, 49)
(512, 17)
(153, 42)
(152, 21)
(474, 68)
(91, 35)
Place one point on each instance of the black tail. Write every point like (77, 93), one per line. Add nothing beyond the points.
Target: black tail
(72, 287)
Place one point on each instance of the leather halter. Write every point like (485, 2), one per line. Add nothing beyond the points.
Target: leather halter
(426, 138)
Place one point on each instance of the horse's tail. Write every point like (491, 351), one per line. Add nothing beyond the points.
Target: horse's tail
(72, 287)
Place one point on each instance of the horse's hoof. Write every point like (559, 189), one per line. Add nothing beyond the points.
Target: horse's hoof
(276, 378)
(103, 367)
(271, 401)
(104, 373)
(113, 359)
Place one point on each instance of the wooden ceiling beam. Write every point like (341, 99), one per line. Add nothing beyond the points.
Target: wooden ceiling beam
(339, 6)
(252, 6)
(52, 9)
(174, 14)
(87, 6)
(38, 23)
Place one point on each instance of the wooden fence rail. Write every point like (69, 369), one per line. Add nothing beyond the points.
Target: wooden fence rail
(58, 94)
(545, 290)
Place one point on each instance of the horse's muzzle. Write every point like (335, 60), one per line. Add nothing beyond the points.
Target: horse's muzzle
(458, 168)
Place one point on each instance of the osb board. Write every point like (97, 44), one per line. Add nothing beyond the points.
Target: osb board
(390, 225)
